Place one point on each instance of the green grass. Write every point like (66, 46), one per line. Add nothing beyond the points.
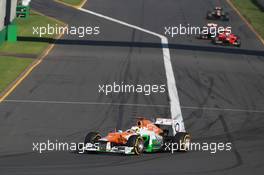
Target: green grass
(25, 28)
(72, 2)
(10, 68)
(252, 13)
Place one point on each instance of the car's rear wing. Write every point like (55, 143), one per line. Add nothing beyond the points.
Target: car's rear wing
(176, 125)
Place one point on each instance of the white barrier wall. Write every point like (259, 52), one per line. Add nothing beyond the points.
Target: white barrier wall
(2, 13)
(13, 9)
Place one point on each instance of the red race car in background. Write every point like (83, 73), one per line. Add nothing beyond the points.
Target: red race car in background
(227, 38)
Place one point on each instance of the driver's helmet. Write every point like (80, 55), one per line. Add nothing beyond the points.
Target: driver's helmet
(135, 128)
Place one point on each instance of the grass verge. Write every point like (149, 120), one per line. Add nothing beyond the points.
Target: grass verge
(25, 29)
(12, 66)
(252, 13)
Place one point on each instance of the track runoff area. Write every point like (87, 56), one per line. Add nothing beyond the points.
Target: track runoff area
(215, 118)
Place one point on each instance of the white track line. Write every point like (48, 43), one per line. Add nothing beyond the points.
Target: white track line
(175, 108)
(131, 104)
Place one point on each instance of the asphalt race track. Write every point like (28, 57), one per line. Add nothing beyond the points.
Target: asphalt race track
(221, 90)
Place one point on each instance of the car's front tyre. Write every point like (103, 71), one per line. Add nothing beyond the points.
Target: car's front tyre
(137, 143)
(92, 137)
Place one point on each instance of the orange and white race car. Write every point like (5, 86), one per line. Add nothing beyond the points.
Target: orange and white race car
(145, 136)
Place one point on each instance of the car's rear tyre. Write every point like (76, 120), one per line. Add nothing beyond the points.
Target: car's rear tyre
(226, 17)
(238, 43)
(167, 143)
(183, 141)
(92, 137)
(137, 143)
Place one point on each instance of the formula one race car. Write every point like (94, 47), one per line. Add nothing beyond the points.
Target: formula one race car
(145, 136)
(210, 32)
(227, 38)
(218, 14)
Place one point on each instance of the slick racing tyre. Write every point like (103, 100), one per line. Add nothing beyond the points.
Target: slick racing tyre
(183, 140)
(238, 43)
(225, 17)
(92, 137)
(137, 143)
